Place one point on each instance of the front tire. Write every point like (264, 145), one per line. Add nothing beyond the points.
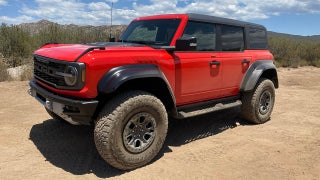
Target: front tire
(257, 105)
(131, 129)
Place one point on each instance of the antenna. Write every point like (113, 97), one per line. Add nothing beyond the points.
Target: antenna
(111, 37)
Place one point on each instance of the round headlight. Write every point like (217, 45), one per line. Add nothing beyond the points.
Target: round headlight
(71, 75)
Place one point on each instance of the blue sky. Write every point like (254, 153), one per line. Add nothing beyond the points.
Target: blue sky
(300, 17)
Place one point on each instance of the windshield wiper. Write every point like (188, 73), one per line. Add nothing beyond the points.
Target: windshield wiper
(137, 42)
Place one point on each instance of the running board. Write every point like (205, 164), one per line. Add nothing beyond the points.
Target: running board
(186, 113)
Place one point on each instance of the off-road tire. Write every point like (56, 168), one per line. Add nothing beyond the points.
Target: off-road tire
(257, 105)
(118, 118)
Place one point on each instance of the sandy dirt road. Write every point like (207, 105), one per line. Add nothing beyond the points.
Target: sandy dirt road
(215, 146)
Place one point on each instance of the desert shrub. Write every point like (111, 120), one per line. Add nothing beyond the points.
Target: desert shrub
(3, 70)
(14, 44)
(27, 73)
(316, 63)
(292, 53)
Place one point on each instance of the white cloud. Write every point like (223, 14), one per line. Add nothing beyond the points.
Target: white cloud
(16, 20)
(77, 12)
(99, 6)
(239, 9)
(98, 12)
(114, 1)
(3, 2)
(69, 11)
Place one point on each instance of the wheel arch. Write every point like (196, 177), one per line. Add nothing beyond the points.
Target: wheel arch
(145, 77)
(259, 69)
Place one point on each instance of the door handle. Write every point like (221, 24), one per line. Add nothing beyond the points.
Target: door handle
(245, 61)
(214, 63)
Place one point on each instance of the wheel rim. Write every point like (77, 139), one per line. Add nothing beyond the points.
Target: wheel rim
(265, 102)
(138, 133)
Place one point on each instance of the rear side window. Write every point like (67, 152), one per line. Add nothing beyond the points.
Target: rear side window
(232, 38)
(205, 34)
(257, 38)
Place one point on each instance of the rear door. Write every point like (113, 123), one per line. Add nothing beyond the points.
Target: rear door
(234, 59)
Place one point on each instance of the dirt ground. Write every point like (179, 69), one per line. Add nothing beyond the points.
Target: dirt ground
(214, 146)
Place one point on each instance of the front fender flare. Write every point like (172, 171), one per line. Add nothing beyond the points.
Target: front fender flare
(117, 76)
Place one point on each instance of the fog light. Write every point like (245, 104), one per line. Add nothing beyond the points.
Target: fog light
(49, 105)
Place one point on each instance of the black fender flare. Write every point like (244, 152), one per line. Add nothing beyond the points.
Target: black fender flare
(255, 71)
(117, 76)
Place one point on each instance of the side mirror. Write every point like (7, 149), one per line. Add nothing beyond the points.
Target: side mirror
(186, 44)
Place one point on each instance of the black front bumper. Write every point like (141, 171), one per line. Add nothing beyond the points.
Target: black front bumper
(80, 111)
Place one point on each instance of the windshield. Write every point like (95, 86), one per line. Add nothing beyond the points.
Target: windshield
(151, 32)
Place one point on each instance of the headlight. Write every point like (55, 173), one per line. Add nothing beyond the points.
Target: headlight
(70, 75)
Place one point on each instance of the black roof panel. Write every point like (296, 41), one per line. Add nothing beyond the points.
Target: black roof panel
(220, 20)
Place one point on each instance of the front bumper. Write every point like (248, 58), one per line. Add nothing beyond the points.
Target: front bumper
(72, 110)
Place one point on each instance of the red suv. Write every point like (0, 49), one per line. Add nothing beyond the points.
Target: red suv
(180, 65)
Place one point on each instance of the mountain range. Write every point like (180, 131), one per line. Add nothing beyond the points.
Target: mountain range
(314, 38)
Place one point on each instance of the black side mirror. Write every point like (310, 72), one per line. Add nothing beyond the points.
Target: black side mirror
(186, 44)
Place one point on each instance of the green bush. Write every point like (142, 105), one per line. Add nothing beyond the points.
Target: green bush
(291, 53)
(15, 44)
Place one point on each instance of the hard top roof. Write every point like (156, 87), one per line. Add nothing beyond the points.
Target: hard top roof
(220, 20)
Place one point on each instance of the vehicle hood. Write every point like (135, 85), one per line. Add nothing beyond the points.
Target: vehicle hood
(72, 52)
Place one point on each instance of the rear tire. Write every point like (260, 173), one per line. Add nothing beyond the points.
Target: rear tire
(131, 129)
(257, 105)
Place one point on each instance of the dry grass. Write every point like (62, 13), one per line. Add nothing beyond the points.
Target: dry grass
(4, 75)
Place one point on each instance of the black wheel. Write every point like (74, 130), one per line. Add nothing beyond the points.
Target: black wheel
(131, 129)
(257, 105)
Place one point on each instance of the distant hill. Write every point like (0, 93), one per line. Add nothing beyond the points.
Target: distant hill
(36, 27)
(315, 38)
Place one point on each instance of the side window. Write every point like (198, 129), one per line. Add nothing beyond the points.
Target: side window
(232, 38)
(257, 38)
(205, 34)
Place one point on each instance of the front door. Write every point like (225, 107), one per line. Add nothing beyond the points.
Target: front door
(199, 72)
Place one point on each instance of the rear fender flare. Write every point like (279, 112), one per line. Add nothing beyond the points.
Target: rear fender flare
(254, 73)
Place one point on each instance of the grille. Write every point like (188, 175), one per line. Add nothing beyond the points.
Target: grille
(45, 70)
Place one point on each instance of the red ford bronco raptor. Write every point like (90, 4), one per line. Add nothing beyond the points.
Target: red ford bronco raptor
(178, 65)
